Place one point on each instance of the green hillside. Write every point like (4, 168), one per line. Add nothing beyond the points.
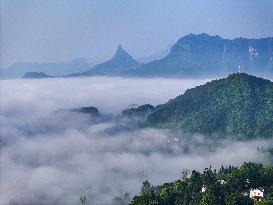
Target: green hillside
(240, 105)
(227, 186)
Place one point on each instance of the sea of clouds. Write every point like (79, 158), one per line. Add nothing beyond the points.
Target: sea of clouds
(50, 157)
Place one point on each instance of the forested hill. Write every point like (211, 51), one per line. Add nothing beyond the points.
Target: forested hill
(227, 186)
(240, 105)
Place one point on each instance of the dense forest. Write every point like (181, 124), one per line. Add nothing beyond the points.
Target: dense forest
(240, 105)
(226, 186)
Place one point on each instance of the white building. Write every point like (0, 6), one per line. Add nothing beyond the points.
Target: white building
(204, 189)
(222, 182)
(256, 194)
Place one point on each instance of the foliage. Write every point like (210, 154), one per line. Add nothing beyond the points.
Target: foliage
(265, 202)
(227, 186)
(142, 110)
(83, 199)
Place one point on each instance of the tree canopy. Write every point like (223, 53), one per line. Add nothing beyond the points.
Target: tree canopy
(226, 186)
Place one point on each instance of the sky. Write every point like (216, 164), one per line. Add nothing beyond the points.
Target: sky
(59, 31)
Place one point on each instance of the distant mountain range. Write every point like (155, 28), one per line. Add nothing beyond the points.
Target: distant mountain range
(199, 55)
(18, 70)
(193, 55)
(205, 55)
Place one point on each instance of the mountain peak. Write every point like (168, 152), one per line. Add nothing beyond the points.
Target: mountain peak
(119, 62)
(122, 58)
(121, 53)
(120, 49)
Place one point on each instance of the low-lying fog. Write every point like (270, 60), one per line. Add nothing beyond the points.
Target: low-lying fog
(50, 157)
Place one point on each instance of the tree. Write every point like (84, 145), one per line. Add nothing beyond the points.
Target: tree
(83, 199)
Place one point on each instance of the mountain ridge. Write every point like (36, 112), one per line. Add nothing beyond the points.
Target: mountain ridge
(192, 56)
(203, 55)
(35, 75)
(19, 69)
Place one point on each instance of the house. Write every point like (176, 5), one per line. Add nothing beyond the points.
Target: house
(204, 189)
(256, 194)
(222, 182)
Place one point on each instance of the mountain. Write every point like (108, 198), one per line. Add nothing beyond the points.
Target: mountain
(91, 110)
(93, 114)
(53, 69)
(133, 118)
(140, 111)
(156, 56)
(120, 62)
(204, 55)
(35, 75)
(240, 105)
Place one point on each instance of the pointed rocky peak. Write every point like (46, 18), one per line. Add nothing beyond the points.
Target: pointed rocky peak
(121, 60)
(120, 48)
(121, 53)
(123, 57)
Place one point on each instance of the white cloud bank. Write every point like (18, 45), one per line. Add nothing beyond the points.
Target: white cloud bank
(54, 158)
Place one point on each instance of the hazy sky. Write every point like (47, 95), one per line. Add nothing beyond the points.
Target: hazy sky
(60, 30)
